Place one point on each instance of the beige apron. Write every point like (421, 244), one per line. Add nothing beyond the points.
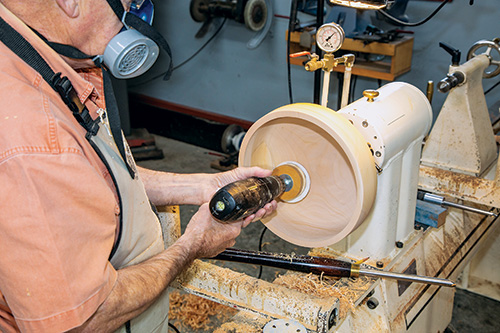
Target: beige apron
(141, 234)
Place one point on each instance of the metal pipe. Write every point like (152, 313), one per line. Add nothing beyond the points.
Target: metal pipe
(326, 88)
(346, 86)
(321, 265)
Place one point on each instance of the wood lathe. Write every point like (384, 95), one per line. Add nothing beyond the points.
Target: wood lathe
(365, 166)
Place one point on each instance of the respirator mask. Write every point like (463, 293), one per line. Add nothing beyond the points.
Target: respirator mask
(133, 50)
(130, 53)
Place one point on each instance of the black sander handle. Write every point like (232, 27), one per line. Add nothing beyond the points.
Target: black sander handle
(242, 198)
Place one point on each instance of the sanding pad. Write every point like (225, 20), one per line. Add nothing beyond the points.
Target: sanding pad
(300, 178)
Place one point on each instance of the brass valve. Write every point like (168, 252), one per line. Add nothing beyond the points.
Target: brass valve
(329, 62)
(314, 64)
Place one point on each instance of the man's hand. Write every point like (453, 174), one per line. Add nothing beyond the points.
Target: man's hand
(207, 237)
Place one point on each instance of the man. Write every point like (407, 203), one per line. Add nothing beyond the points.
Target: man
(79, 245)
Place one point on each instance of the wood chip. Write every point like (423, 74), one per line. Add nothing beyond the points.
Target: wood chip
(194, 312)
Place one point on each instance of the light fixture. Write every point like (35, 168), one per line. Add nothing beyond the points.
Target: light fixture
(361, 4)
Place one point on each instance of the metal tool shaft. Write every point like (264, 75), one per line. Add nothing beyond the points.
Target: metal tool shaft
(321, 265)
(468, 208)
(439, 200)
(407, 277)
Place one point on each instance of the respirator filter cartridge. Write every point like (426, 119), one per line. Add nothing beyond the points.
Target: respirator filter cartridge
(130, 54)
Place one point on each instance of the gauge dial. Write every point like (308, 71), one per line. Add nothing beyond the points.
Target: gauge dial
(330, 37)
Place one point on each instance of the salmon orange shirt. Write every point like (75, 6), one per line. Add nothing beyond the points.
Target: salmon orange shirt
(59, 207)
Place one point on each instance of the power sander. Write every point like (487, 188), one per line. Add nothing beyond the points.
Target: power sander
(289, 182)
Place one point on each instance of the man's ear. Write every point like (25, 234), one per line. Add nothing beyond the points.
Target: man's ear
(70, 7)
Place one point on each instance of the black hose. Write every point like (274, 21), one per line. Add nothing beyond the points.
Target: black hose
(260, 249)
(185, 61)
(173, 327)
(414, 24)
(491, 88)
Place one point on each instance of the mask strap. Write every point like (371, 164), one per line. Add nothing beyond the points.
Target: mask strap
(69, 51)
(138, 24)
(117, 7)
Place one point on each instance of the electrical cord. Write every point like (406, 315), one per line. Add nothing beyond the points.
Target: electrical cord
(173, 327)
(202, 47)
(414, 24)
(492, 87)
(260, 249)
(291, 24)
(185, 61)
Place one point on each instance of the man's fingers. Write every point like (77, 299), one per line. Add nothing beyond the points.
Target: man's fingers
(248, 220)
(266, 210)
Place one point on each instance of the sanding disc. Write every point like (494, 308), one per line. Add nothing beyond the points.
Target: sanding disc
(300, 178)
(342, 173)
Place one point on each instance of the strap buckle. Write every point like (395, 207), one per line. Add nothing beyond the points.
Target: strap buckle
(69, 96)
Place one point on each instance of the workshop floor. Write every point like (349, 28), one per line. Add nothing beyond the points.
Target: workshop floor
(471, 313)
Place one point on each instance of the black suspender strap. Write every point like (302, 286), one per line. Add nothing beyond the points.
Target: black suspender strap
(109, 94)
(20, 46)
(114, 118)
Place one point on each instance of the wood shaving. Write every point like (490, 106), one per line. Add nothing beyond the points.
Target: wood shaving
(194, 312)
(265, 244)
(320, 286)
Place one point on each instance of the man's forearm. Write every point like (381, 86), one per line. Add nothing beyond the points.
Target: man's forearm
(137, 287)
(165, 188)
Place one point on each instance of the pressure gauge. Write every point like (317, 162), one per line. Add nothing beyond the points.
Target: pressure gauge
(330, 37)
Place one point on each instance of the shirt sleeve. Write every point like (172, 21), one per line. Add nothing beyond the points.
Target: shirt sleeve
(57, 230)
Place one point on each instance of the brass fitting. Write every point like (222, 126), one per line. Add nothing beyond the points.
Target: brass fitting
(349, 60)
(355, 270)
(329, 62)
(314, 64)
